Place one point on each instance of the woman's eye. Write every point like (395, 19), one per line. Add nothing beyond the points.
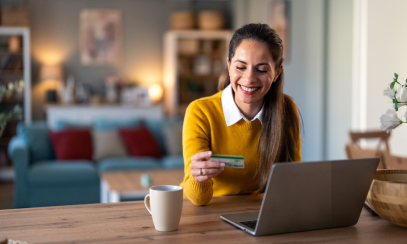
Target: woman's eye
(262, 71)
(240, 68)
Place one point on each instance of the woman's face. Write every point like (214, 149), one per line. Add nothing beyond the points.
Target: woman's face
(251, 73)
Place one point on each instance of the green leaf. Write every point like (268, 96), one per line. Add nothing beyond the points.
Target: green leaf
(392, 85)
(396, 107)
(396, 75)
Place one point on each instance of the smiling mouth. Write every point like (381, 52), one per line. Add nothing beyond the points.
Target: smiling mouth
(249, 90)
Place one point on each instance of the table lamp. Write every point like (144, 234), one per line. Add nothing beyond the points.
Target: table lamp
(52, 75)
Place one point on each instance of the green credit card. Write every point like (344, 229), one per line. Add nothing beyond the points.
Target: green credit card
(229, 160)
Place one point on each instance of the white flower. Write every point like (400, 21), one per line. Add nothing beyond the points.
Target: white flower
(401, 94)
(389, 120)
(389, 92)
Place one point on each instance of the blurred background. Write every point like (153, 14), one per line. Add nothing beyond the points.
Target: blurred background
(78, 61)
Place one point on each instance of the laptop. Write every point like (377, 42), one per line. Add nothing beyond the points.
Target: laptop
(310, 196)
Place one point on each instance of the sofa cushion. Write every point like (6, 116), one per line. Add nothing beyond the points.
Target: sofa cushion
(72, 144)
(106, 124)
(155, 127)
(107, 144)
(61, 173)
(63, 125)
(36, 135)
(128, 163)
(140, 142)
(173, 162)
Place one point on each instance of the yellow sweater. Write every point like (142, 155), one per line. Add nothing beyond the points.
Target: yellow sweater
(205, 129)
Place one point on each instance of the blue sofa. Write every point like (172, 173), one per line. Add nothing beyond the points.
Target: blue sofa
(42, 180)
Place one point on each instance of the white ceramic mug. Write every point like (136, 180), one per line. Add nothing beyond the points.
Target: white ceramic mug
(165, 205)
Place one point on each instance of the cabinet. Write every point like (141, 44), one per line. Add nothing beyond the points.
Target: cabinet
(193, 61)
(15, 68)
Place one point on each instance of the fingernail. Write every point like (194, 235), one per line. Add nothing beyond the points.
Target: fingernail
(209, 153)
(222, 165)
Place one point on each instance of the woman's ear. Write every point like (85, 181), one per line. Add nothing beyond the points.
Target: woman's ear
(278, 72)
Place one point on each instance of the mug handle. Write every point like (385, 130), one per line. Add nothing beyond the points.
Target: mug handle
(147, 202)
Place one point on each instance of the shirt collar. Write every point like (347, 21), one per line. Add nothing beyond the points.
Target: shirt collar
(231, 111)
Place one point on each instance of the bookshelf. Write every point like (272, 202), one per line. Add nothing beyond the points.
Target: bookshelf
(15, 68)
(193, 61)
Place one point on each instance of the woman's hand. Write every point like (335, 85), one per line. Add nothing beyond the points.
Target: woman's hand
(202, 168)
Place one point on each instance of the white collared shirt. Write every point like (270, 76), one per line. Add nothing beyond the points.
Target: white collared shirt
(231, 111)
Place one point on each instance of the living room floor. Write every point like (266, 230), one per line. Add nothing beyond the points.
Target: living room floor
(6, 195)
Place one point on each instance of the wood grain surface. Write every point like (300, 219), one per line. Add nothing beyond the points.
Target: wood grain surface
(388, 195)
(130, 222)
(121, 181)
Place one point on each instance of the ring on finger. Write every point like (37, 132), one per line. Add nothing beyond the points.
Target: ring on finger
(200, 171)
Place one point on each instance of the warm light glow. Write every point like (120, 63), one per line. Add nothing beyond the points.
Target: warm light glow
(155, 92)
(50, 54)
(50, 72)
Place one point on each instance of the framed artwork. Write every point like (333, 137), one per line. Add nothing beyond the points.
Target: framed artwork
(100, 36)
(279, 15)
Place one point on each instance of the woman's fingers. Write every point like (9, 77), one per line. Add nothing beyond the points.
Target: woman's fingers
(202, 156)
(206, 164)
(202, 168)
(196, 172)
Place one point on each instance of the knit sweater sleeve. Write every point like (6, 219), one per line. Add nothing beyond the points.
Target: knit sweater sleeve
(195, 138)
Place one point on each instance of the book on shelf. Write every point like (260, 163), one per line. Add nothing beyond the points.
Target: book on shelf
(12, 63)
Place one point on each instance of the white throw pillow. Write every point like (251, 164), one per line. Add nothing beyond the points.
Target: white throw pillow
(107, 144)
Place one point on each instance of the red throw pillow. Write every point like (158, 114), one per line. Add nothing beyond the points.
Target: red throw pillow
(72, 144)
(140, 142)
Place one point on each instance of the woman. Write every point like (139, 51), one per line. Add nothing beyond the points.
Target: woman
(249, 117)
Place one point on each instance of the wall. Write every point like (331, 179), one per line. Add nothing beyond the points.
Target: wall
(55, 38)
(381, 52)
(339, 76)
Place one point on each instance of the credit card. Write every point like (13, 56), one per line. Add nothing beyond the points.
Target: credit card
(229, 160)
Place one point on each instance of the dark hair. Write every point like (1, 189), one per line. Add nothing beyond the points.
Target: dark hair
(280, 135)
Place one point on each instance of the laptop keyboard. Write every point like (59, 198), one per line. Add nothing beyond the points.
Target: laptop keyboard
(251, 223)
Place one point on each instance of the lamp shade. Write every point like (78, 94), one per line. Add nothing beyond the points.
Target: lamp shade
(50, 72)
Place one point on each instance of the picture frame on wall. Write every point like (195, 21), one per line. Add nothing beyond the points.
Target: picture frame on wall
(100, 37)
(279, 17)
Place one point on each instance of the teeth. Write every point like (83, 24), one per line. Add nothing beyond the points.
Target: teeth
(248, 89)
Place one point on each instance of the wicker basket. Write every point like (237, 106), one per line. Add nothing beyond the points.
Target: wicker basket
(182, 20)
(14, 16)
(210, 20)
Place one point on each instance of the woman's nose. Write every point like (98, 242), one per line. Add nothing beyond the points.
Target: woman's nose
(250, 75)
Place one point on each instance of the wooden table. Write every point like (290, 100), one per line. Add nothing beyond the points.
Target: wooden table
(129, 222)
(116, 185)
